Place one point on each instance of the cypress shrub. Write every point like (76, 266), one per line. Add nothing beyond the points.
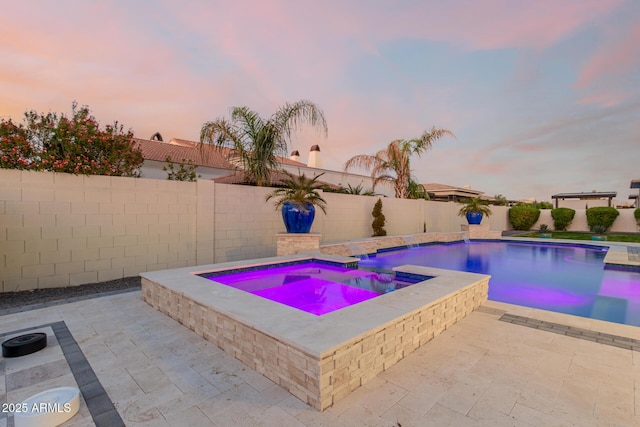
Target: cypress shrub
(378, 220)
(562, 218)
(636, 214)
(601, 216)
(522, 217)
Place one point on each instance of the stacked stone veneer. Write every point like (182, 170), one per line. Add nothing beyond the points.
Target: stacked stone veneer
(373, 244)
(479, 231)
(319, 379)
(293, 243)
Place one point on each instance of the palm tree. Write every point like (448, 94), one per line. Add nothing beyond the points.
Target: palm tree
(392, 164)
(255, 142)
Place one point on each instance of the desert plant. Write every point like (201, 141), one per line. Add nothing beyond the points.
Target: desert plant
(522, 217)
(300, 191)
(562, 218)
(475, 205)
(544, 228)
(601, 215)
(598, 229)
(378, 220)
(297, 201)
(358, 190)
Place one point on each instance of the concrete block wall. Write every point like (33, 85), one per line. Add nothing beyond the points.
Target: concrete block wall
(245, 226)
(64, 230)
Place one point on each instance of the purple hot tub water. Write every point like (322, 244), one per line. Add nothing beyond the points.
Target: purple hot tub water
(314, 287)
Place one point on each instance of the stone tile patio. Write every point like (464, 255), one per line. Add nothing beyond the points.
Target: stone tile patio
(482, 371)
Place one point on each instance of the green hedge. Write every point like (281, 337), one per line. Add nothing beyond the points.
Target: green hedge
(603, 216)
(562, 218)
(636, 214)
(522, 217)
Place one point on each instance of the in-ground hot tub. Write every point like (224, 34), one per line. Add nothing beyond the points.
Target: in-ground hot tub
(319, 358)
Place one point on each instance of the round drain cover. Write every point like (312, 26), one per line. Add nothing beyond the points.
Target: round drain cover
(49, 408)
(24, 344)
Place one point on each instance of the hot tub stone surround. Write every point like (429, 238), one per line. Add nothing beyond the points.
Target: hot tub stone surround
(318, 359)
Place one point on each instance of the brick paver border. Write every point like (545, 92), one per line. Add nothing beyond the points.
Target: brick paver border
(570, 331)
(100, 406)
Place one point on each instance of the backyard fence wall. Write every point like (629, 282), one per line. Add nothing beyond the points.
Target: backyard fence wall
(61, 229)
(625, 223)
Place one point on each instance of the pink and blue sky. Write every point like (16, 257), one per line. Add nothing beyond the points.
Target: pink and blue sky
(544, 96)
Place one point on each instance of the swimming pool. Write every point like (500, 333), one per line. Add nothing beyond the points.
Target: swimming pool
(315, 287)
(562, 278)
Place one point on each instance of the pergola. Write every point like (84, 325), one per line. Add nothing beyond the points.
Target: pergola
(594, 195)
(635, 183)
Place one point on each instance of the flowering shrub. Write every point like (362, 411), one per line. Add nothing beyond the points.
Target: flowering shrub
(74, 145)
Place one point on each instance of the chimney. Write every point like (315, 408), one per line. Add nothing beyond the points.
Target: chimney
(315, 161)
(295, 155)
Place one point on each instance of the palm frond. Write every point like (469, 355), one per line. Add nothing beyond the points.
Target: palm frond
(290, 116)
(299, 190)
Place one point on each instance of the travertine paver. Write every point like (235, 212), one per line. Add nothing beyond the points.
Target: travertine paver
(482, 371)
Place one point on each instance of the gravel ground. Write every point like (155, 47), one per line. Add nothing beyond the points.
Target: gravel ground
(25, 300)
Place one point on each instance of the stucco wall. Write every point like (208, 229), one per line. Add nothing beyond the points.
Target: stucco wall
(581, 204)
(624, 223)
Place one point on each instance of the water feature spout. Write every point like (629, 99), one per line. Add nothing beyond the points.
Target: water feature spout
(357, 250)
(411, 241)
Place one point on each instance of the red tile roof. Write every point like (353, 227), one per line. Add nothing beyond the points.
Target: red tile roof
(276, 176)
(434, 187)
(182, 149)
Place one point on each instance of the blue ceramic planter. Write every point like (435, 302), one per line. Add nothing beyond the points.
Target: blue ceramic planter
(297, 220)
(474, 218)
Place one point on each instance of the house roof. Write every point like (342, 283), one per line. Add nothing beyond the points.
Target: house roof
(443, 189)
(589, 195)
(182, 149)
(239, 177)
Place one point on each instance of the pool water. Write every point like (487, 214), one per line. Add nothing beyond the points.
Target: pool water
(314, 287)
(562, 278)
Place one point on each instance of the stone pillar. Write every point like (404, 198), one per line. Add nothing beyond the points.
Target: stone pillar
(293, 243)
(479, 231)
